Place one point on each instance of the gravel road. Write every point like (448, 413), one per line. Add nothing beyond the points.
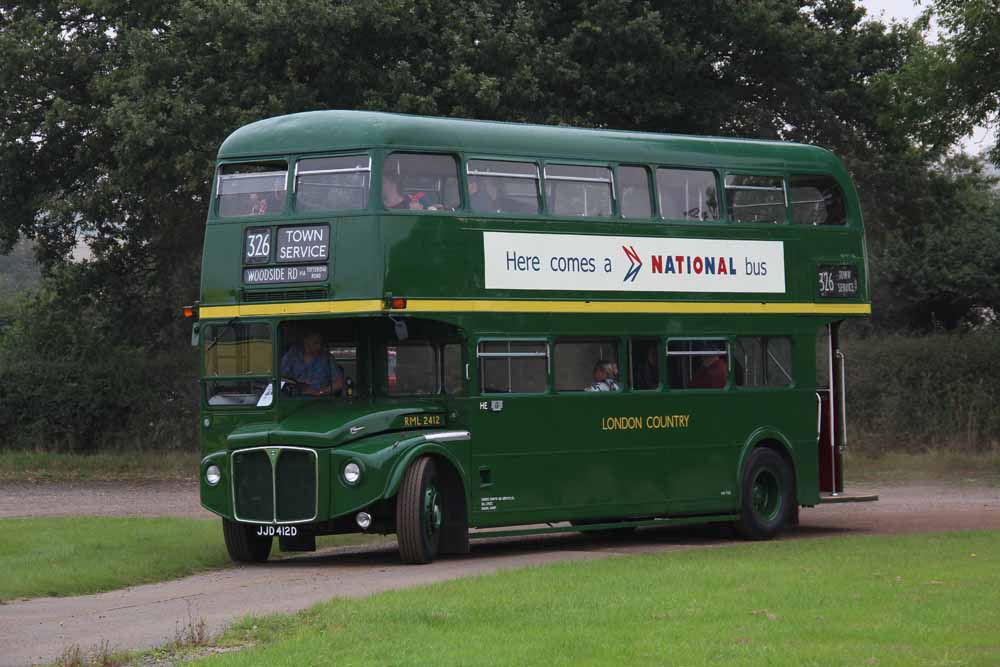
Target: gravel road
(144, 616)
(101, 499)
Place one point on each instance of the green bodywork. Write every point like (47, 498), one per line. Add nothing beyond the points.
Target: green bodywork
(537, 458)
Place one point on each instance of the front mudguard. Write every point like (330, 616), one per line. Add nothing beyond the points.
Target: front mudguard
(383, 460)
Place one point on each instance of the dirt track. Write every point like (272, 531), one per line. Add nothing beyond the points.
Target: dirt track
(145, 616)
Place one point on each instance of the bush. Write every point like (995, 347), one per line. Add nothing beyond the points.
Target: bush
(65, 387)
(921, 393)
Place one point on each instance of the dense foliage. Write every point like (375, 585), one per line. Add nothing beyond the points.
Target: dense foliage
(923, 393)
(111, 112)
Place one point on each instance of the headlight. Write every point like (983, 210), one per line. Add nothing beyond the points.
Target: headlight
(213, 475)
(352, 473)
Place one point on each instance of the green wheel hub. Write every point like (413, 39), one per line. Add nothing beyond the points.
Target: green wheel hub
(766, 495)
(432, 511)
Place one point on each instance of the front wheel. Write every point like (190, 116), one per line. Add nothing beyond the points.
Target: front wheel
(419, 513)
(767, 495)
(243, 544)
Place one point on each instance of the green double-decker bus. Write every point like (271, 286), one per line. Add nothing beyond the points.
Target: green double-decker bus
(423, 326)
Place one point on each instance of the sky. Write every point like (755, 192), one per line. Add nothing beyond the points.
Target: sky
(908, 10)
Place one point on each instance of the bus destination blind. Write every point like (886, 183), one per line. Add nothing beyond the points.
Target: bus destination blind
(837, 281)
(295, 245)
(266, 275)
(267, 250)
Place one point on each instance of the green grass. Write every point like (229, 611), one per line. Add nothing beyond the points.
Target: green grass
(72, 556)
(78, 555)
(20, 466)
(902, 600)
(942, 465)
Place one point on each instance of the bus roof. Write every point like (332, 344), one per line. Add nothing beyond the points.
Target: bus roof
(331, 131)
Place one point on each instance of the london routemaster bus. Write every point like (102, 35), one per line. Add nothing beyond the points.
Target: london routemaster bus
(423, 326)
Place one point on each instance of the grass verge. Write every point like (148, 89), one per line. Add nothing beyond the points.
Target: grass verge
(942, 465)
(78, 555)
(900, 600)
(19, 466)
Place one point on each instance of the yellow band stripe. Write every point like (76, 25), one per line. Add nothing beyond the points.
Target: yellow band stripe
(373, 306)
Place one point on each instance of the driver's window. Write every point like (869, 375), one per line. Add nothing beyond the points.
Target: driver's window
(318, 358)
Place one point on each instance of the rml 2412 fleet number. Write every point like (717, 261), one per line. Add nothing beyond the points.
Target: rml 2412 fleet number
(277, 531)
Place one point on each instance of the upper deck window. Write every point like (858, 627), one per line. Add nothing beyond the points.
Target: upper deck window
(501, 186)
(633, 184)
(687, 194)
(332, 183)
(578, 190)
(420, 182)
(252, 188)
(756, 198)
(817, 200)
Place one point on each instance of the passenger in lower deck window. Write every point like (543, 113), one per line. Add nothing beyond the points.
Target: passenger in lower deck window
(605, 377)
(647, 371)
(713, 374)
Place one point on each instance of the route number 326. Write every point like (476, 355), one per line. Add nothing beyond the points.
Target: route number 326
(826, 282)
(259, 245)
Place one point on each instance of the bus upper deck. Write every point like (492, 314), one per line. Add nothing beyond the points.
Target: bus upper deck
(341, 209)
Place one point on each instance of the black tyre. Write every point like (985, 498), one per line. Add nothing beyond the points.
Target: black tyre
(243, 544)
(767, 495)
(420, 507)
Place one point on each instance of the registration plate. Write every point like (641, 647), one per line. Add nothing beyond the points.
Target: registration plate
(277, 531)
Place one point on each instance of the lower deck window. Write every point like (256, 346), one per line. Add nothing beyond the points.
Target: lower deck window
(413, 369)
(763, 361)
(587, 366)
(422, 368)
(645, 357)
(698, 363)
(510, 367)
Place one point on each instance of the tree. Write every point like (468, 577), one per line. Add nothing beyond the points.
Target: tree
(947, 89)
(112, 110)
(936, 255)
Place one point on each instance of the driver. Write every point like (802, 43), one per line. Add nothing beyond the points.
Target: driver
(309, 365)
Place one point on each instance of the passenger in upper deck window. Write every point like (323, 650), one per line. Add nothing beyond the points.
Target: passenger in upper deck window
(308, 365)
(268, 202)
(605, 377)
(394, 198)
(483, 195)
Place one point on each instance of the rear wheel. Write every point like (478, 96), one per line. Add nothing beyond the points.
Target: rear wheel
(243, 544)
(767, 495)
(420, 510)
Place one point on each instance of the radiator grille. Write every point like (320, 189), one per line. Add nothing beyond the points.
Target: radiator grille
(275, 484)
(254, 486)
(284, 295)
(295, 474)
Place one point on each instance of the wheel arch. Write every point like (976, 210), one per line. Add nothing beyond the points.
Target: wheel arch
(453, 467)
(770, 438)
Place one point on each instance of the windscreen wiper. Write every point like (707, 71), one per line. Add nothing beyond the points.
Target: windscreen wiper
(215, 339)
